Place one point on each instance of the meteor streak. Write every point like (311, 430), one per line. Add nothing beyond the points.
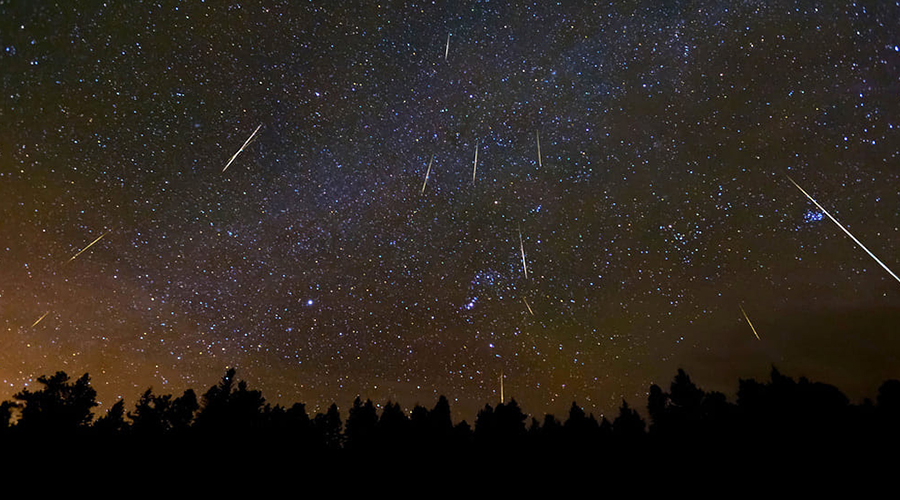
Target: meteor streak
(89, 246)
(538, 135)
(447, 50)
(475, 168)
(522, 249)
(528, 306)
(749, 323)
(845, 230)
(426, 174)
(239, 151)
(39, 319)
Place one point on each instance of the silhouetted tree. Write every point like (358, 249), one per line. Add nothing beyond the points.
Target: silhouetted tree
(418, 420)
(393, 426)
(181, 412)
(149, 415)
(113, 423)
(888, 400)
(328, 427)
(485, 423)
(628, 426)
(361, 422)
(6, 413)
(657, 407)
(510, 421)
(226, 408)
(440, 420)
(60, 406)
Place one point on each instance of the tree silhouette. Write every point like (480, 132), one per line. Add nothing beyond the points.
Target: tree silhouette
(113, 423)
(155, 415)
(628, 426)
(226, 408)
(440, 421)
(361, 423)
(60, 406)
(328, 427)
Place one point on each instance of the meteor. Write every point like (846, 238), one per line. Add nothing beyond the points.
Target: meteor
(845, 230)
(475, 168)
(538, 135)
(39, 319)
(522, 249)
(89, 246)
(426, 174)
(528, 306)
(749, 323)
(239, 151)
(447, 50)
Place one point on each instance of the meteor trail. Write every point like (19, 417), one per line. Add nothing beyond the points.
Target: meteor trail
(528, 306)
(426, 174)
(845, 230)
(89, 246)
(522, 249)
(447, 50)
(749, 323)
(538, 135)
(475, 168)
(239, 151)
(39, 319)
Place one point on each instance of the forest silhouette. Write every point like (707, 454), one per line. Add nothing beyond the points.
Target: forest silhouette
(779, 423)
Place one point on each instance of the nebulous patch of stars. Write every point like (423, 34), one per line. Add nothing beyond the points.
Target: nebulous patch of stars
(419, 197)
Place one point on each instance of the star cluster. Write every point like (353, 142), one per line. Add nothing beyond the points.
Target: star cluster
(323, 265)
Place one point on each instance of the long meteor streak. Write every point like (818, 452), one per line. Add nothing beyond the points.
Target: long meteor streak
(475, 168)
(39, 319)
(239, 151)
(882, 264)
(89, 246)
(426, 174)
(537, 134)
(522, 249)
(749, 323)
(447, 50)
(528, 306)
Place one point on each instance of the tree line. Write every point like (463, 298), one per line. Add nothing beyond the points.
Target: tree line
(775, 417)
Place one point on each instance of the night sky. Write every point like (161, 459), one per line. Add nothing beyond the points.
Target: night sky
(658, 207)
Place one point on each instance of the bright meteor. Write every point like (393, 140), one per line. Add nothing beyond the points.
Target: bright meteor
(528, 306)
(85, 248)
(845, 230)
(522, 249)
(749, 323)
(426, 174)
(39, 319)
(239, 151)
(475, 168)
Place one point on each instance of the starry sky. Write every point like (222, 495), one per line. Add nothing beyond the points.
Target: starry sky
(633, 155)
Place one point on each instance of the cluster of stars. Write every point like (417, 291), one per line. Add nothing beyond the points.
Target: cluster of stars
(402, 203)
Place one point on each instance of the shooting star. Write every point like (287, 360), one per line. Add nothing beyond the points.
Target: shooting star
(475, 168)
(537, 134)
(239, 151)
(749, 323)
(89, 246)
(447, 50)
(845, 230)
(426, 174)
(522, 249)
(39, 319)
(528, 306)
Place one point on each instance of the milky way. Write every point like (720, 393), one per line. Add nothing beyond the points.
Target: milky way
(627, 199)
